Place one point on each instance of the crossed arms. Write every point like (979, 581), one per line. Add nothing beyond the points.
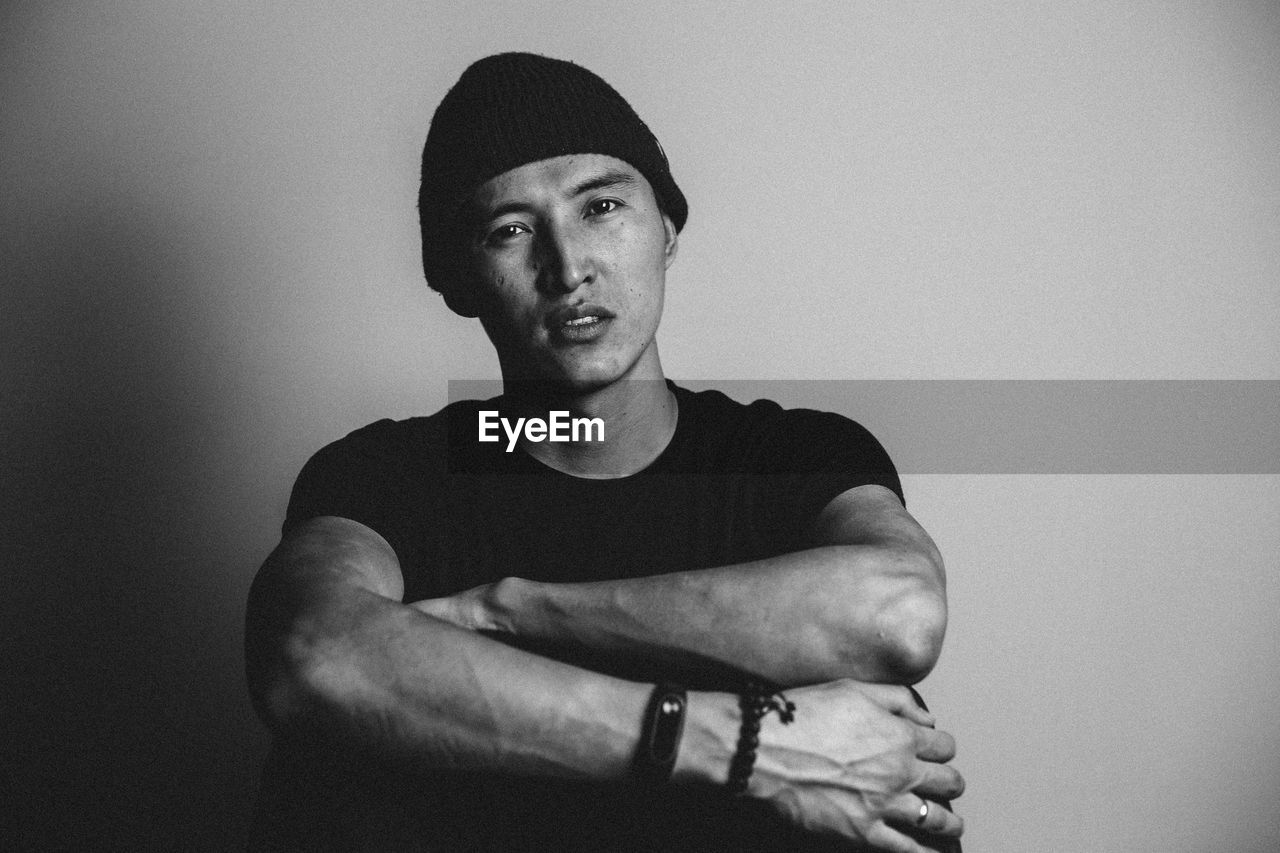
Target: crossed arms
(331, 648)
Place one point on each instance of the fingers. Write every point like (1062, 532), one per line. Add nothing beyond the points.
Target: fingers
(898, 700)
(885, 837)
(921, 815)
(939, 781)
(936, 746)
(918, 715)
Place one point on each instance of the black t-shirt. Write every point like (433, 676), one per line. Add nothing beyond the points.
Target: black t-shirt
(736, 483)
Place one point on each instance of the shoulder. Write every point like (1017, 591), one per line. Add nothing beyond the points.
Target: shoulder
(386, 463)
(815, 452)
(766, 428)
(420, 439)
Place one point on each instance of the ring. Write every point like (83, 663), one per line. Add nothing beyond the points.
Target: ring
(924, 813)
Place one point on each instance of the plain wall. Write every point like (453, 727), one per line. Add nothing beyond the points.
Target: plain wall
(211, 268)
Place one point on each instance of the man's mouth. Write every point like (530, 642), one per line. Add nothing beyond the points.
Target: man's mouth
(580, 324)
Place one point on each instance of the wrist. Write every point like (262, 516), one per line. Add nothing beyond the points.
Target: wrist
(757, 700)
(710, 737)
(661, 734)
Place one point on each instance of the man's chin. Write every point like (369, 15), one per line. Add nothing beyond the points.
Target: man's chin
(562, 382)
(579, 383)
(576, 373)
(582, 377)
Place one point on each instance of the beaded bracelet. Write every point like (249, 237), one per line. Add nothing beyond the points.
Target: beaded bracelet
(755, 701)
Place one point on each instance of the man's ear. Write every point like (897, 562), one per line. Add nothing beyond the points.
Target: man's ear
(673, 241)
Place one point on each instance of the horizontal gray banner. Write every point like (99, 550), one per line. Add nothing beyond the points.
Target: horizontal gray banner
(1037, 426)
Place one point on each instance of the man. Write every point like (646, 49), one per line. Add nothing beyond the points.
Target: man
(679, 627)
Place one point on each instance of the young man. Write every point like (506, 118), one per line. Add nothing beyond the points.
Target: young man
(681, 626)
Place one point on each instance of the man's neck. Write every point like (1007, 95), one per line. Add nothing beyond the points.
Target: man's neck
(639, 418)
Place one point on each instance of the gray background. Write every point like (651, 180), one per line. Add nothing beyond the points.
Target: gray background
(210, 268)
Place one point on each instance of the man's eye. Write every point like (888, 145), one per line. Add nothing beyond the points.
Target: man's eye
(503, 233)
(601, 206)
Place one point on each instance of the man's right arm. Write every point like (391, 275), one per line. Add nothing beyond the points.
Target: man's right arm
(333, 653)
(331, 650)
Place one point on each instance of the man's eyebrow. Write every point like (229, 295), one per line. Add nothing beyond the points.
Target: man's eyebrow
(487, 214)
(605, 180)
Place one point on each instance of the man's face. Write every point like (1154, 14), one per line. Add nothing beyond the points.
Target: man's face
(569, 258)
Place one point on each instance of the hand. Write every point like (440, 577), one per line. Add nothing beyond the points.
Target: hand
(474, 609)
(858, 762)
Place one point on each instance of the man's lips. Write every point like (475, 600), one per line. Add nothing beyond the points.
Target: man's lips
(574, 316)
(579, 323)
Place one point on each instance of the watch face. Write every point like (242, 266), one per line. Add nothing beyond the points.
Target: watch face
(660, 740)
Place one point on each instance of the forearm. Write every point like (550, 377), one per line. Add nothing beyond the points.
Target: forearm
(338, 659)
(831, 612)
(335, 660)
(865, 600)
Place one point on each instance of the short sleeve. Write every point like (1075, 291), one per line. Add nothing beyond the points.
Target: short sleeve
(366, 477)
(820, 455)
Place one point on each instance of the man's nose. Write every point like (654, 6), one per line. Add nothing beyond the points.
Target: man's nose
(567, 261)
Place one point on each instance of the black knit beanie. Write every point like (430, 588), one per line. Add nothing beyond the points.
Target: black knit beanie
(516, 108)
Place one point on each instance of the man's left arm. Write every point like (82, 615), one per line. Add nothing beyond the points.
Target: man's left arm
(865, 599)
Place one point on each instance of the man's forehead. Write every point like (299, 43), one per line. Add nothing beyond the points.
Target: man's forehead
(563, 177)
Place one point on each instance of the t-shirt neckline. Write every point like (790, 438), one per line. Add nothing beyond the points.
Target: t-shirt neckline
(679, 438)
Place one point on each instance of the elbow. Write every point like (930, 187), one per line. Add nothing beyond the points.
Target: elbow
(283, 684)
(294, 680)
(895, 622)
(909, 635)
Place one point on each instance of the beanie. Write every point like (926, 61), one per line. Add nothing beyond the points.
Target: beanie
(516, 108)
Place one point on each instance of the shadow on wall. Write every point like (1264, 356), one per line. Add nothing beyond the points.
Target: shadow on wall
(122, 668)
